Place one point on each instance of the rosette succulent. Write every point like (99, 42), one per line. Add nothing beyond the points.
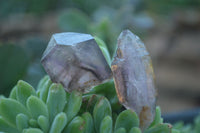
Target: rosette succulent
(50, 109)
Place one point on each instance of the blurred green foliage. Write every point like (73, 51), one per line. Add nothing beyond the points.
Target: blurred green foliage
(90, 6)
(189, 128)
(74, 20)
(13, 65)
(21, 62)
(39, 7)
(169, 6)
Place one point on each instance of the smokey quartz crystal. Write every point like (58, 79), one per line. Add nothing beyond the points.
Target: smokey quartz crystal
(134, 77)
(76, 61)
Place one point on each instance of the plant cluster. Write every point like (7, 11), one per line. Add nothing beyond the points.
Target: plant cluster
(50, 109)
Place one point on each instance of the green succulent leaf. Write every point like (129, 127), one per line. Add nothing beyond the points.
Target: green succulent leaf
(108, 90)
(37, 107)
(73, 105)
(6, 127)
(120, 130)
(104, 49)
(59, 123)
(43, 88)
(32, 130)
(127, 119)
(77, 125)
(157, 118)
(135, 130)
(57, 92)
(24, 90)
(13, 92)
(41, 83)
(89, 102)
(21, 122)
(102, 108)
(6, 109)
(89, 124)
(160, 128)
(106, 125)
(43, 123)
(33, 123)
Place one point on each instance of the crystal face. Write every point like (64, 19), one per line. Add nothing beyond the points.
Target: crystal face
(134, 77)
(76, 61)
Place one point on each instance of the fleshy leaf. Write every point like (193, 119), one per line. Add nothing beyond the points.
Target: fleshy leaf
(73, 105)
(44, 88)
(89, 124)
(160, 128)
(32, 130)
(42, 82)
(10, 108)
(102, 108)
(13, 94)
(24, 90)
(59, 123)
(120, 130)
(88, 103)
(106, 125)
(127, 119)
(108, 90)
(37, 107)
(104, 49)
(77, 125)
(135, 130)
(33, 123)
(157, 118)
(43, 123)
(6, 127)
(21, 122)
(56, 100)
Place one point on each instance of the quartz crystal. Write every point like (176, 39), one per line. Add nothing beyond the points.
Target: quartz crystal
(76, 61)
(134, 77)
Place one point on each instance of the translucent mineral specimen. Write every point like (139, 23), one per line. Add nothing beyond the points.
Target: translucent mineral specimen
(75, 61)
(134, 77)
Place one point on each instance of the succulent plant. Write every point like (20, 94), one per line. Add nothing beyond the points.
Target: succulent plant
(50, 109)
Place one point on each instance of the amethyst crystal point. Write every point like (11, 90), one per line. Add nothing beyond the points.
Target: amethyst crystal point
(75, 61)
(134, 77)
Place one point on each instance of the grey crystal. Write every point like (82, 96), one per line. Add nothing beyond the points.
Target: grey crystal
(134, 77)
(76, 61)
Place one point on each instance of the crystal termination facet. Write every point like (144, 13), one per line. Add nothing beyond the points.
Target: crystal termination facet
(76, 61)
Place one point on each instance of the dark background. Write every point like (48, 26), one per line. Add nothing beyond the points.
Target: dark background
(169, 28)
